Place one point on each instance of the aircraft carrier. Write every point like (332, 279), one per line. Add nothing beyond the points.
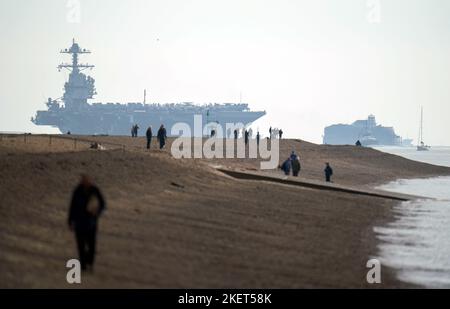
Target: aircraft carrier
(72, 112)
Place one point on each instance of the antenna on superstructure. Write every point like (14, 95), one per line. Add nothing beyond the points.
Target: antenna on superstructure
(75, 50)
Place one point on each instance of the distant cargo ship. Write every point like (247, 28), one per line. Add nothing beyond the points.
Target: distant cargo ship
(367, 131)
(72, 113)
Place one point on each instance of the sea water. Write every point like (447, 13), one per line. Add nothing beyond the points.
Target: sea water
(417, 242)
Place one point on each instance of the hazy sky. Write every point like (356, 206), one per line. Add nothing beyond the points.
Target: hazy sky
(309, 64)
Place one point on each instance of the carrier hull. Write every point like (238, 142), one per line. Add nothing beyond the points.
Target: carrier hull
(91, 122)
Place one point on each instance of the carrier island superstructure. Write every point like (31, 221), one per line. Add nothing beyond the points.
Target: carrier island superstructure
(72, 112)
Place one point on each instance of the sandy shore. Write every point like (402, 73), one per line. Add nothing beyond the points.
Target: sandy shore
(181, 224)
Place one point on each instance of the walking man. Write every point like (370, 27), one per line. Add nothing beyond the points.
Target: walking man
(162, 135)
(295, 162)
(328, 172)
(149, 136)
(85, 208)
(286, 166)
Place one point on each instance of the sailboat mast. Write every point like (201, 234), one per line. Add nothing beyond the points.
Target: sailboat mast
(421, 124)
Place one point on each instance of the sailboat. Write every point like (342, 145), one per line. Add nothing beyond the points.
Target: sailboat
(421, 145)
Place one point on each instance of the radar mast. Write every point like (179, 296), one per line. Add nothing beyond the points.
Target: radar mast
(80, 87)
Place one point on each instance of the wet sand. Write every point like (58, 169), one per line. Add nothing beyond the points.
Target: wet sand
(182, 224)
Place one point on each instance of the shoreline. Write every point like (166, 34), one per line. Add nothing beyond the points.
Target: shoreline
(415, 232)
(206, 231)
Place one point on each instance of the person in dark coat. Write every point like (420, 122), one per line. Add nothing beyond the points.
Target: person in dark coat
(328, 172)
(162, 135)
(280, 133)
(257, 138)
(246, 137)
(236, 134)
(149, 135)
(286, 166)
(85, 208)
(295, 163)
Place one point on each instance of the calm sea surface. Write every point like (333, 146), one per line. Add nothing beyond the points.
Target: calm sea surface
(417, 243)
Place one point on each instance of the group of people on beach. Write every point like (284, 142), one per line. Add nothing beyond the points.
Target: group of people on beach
(248, 134)
(161, 135)
(87, 201)
(275, 132)
(134, 130)
(293, 163)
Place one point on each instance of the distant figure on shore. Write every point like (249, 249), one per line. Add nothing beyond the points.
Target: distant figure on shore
(358, 143)
(85, 208)
(250, 133)
(149, 135)
(270, 132)
(296, 166)
(328, 172)
(286, 166)
(246, 137)
(280, 133)
(134, 130)
(213, 133)
(236, 133)
(162, 135)
(295, 162)
(68, 133)
(257, 138)
(94, 145)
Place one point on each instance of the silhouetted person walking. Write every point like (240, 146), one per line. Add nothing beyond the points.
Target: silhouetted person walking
(236, 134)
(149, 135)
(286, 166)
(162, 135)
(328, 172)
(257, 138)
(246, 137)
(85, 208)
(280, 133)
(295, 162)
